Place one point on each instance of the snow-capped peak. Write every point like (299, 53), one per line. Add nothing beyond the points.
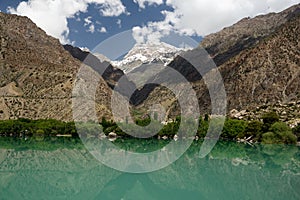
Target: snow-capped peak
(148, 53)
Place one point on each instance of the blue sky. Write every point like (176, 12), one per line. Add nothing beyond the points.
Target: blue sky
(137, 17)
(86, 23)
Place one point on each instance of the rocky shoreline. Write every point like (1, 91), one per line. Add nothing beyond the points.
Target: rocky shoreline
(287, 112)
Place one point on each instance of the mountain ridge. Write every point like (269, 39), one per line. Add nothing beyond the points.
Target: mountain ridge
(37, 74)
(262, 74)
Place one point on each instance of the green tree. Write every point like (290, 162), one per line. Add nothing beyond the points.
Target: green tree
(233, 128)
(269, 138)
(269, 119)
(254, 128)
(281, 133)
(206, 117)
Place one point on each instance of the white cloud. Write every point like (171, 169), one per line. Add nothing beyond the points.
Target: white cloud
(91, 28)
(119, 23)
(203, 17)
(207, 16)
(52, 15)
(143, 3)
(112, 8)
(153, 31)
(140, 33)
(88, 22)
(102, 30)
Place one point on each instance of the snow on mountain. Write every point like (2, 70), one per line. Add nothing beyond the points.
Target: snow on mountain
(148, 53)
(102, 57)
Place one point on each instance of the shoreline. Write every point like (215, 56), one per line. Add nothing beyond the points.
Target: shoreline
(268, 129)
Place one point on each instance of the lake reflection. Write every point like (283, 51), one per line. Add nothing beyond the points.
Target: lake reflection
(230, 171)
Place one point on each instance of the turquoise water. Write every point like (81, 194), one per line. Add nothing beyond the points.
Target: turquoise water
(230, 171)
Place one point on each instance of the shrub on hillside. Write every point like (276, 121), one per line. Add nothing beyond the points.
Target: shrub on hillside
(269, 119)
(254, 129)
(233, 128)
(296, 131)
(281, 133)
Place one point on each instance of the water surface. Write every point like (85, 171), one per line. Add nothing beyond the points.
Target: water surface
(230, 171)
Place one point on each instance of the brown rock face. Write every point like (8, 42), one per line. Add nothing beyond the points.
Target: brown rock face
(244, 34)
(267, 73)
(37, 74)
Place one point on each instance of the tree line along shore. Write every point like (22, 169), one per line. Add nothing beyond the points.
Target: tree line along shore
(269, 129)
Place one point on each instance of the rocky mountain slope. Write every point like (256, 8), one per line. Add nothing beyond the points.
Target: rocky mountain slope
(112, 75)
(260, 73)
(142, 71)
(109, 73)
(37, 74)
(244, 34)
(268, 72)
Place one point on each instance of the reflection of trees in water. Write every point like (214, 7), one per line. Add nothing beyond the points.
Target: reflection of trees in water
(60, 174)
(261, 171)
(259, 175)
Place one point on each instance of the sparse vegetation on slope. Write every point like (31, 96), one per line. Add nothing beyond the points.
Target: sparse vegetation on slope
(37, 74)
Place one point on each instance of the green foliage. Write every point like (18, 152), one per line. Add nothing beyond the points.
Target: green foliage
(233, 127)
(289, 138)
(87, 129)
(170, 129)
(110, 129)
(206, 117)
(45, 127)
(202, 128)
(269, 138)
(40, 132)
(269, 119)
(277, 132)
(281, 133)
(254, 128)
(143, 122)
(279, 127)
(296, 131)
(105, 124)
